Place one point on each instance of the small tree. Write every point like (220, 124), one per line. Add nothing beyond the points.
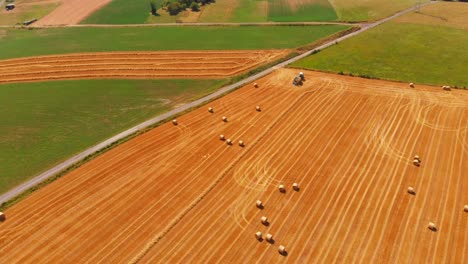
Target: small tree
(195, 7)
(153, 8)
(174, 8)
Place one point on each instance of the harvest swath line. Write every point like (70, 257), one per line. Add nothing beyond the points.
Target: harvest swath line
(185, 236)
(335, 134)
(403, 161)
(348, 143)
(159, 236)
(443, 202)
(389, 182)
(235, 116)
(250, 146)
(248, 203)
(320, 167)
(222, 146)
(168, 64)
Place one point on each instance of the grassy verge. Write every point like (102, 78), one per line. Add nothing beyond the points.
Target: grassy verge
(40, 131)
(401, 52)
(22, 43)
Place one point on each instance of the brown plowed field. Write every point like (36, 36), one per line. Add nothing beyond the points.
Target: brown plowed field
(177, 194)
(71, 12)
(135, 65)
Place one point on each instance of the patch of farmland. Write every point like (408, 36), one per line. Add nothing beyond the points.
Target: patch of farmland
(136, 65)
(365, 10)
(180, 194)
(300, 10)
(44, 123)
(17, 43)
(413, 48)
(27, 10)
(71, 12)
(446, 14)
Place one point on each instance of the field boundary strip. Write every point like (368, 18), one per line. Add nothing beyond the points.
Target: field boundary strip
(15, 192)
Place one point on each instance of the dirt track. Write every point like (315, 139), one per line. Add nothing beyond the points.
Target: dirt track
(71, 12)
(169, 64)
(178, 193)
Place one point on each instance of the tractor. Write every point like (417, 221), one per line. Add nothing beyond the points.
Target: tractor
(298, 80)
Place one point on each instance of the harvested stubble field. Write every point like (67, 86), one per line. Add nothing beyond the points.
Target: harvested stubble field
(179, 194)
(136, 65)
(71, 12)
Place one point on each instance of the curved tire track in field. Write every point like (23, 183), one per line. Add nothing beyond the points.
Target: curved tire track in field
(135, 65)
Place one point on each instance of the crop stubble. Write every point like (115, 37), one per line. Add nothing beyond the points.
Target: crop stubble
(136, 65)
(71, 12)
(347, 141)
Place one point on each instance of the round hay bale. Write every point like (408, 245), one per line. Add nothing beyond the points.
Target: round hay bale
(296, 186)
(258, 108)
(411, 85)
(224, 119)
(281, 188)
(211, 110)
(282, 250)
(416, 157)
(229, 142)
(416, 162)
(446, 87)
(465, 208)
(259, 204)
(258, 235)
(174, 122)
(269, 237)
(432, 226)
(2, 217)
(221, 137)
(241, 143)
(264, 220)
(256, 85)
(411, 190)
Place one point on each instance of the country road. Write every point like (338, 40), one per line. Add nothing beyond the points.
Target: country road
(62, 166)
(199, 24)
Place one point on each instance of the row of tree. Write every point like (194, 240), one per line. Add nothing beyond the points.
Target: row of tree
(174, 7)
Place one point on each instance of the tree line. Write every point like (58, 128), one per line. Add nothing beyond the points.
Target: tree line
(174, 7)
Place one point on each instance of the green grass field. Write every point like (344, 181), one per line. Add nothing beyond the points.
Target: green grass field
(137, 12)
(317, 10)
(121, 12)
(22, 43)
(235, 11)
(364, 10)
(396, 51)
(45, 123)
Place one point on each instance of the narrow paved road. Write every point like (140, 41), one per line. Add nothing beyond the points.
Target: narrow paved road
(62, 166)
(201, 24)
